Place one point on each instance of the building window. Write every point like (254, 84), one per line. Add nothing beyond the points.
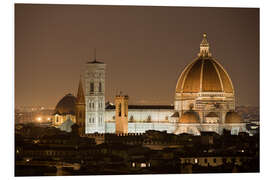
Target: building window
(119, 110)
(91, 87)
(100, 87)
(149, 118)
(143, 164)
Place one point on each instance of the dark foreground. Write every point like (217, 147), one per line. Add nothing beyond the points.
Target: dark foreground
(46, 151)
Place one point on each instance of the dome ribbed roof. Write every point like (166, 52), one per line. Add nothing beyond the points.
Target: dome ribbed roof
(67, 105)
(204, 74)
(190, 117)
(233, 117)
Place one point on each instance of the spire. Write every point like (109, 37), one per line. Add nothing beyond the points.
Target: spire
(204, 47)
(95, 61)
(80, 94)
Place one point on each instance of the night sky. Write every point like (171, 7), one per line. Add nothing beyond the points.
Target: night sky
(145, 49)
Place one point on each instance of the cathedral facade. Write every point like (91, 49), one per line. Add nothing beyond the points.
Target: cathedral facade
(204, 101)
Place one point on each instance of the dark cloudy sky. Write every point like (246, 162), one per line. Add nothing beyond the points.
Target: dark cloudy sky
(145, 49)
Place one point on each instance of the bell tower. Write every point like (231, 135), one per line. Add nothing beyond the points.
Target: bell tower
(121, 114)
(80, 109)
(95, 96)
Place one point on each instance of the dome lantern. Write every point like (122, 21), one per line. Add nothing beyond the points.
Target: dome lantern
(204, 47)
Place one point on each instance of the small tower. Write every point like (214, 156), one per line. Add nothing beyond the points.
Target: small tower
(80, 109)
(121, 114)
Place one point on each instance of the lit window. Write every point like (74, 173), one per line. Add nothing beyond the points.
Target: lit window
(143, 164)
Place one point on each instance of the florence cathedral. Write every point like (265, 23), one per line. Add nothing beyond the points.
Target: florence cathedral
(204, 101)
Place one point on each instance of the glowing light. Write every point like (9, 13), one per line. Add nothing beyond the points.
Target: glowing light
(49, 119)
(143, 164)
(39, 118)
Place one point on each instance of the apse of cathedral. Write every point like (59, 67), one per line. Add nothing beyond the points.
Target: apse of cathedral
(204, 101)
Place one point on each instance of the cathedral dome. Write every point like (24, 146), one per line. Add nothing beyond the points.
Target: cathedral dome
(67, 105)
(190, 117)
(204, 74)
(233, 117)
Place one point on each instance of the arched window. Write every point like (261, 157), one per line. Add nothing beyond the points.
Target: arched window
(100, 87)
(149, 118)
(119, 110)
(91, 87)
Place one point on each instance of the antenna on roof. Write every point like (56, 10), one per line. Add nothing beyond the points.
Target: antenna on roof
(95, 58)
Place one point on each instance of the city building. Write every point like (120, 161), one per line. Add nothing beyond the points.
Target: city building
(204, 101)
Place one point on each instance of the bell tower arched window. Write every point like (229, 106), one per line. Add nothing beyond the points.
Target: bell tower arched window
(91, 87)
(100, 87)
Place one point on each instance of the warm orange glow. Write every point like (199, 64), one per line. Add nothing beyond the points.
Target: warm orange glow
(39, 119)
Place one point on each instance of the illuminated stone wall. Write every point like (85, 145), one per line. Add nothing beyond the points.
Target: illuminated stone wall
(60, 119)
